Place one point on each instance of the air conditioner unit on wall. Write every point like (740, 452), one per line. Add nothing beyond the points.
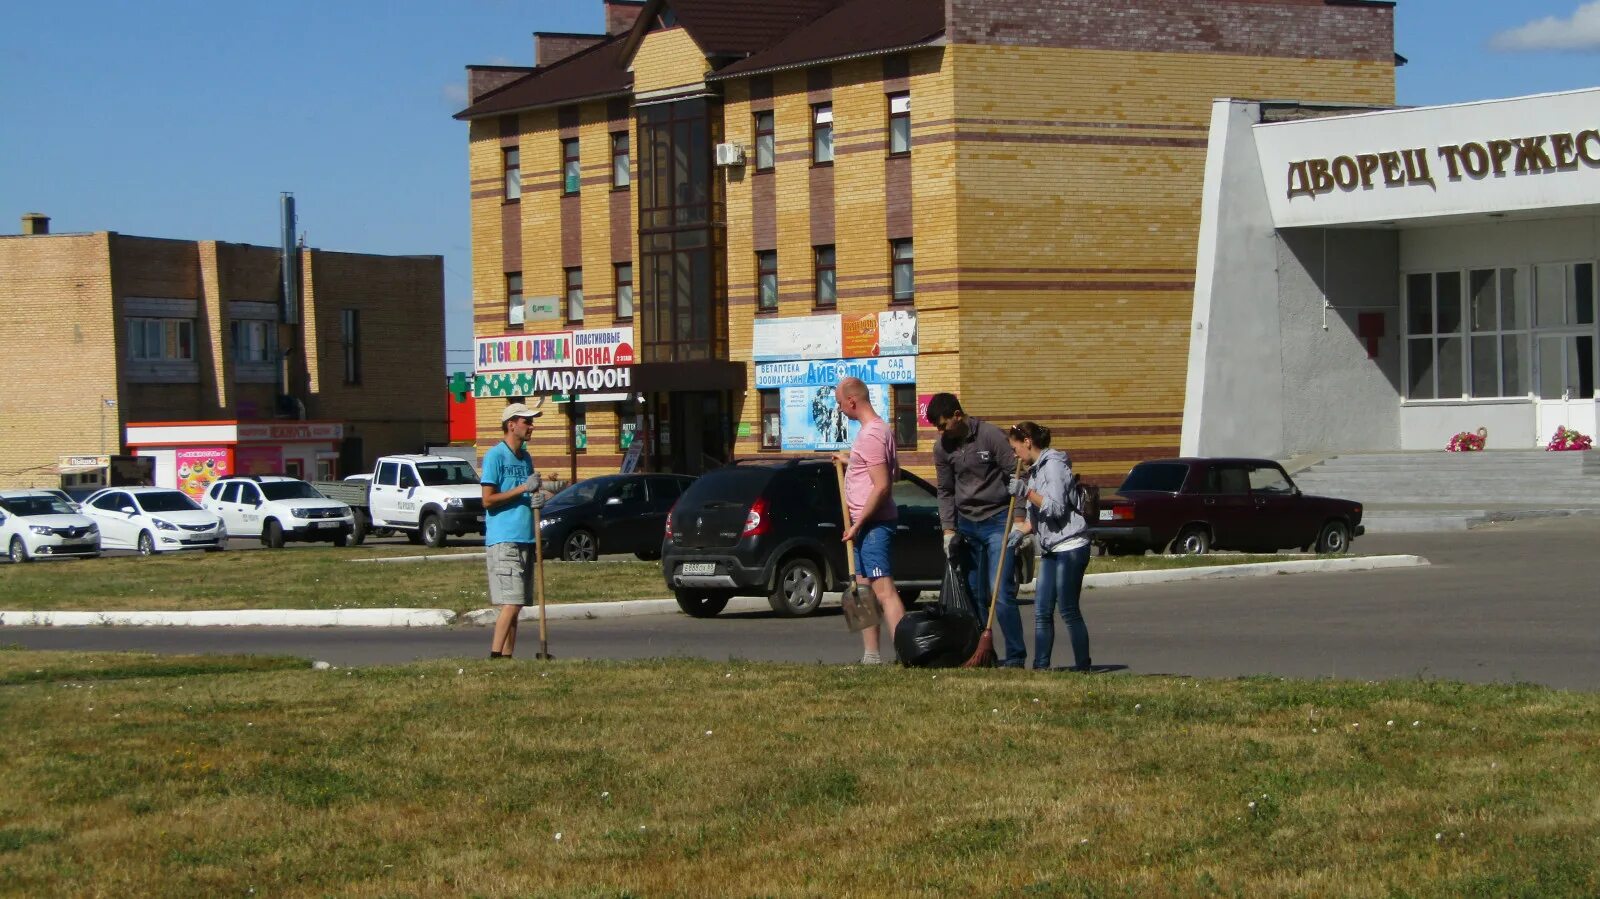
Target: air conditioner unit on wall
(730, 154)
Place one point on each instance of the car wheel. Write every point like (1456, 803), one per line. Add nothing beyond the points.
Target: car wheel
(799, 588)
(358, 529)
(341, 540)
(1194, 540)
(147, 544)
(1335, 538)
(908, 597)
(433, 531)
(1124, 549)
(414, 537)
(579, 547)
(653, 555)
(702, 603)
(272, 534)
(19, 551)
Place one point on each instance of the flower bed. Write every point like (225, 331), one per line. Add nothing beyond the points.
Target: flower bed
(1469, 441)
(1567, 439)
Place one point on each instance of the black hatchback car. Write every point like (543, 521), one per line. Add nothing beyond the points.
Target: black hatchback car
(771, 528)
(620, 513)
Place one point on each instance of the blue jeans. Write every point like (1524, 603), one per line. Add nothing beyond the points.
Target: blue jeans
(1059, 586)
(986, 547)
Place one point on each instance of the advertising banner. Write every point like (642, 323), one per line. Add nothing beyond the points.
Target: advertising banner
(557, 349)
(259, 459)
(827, 373)
(198, 467)
(856, 336)
(810, 418)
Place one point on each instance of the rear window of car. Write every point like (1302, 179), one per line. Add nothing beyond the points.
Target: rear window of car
(739, 484)
(1161, 477)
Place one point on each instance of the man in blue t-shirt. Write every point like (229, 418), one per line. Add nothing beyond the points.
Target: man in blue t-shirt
(510, 494)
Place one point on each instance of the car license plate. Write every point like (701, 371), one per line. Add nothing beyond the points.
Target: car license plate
(1105, 514)
(328, 524)
(698, 568)
(480, 519)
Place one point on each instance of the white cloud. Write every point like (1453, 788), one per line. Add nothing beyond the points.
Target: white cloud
(1580, 31)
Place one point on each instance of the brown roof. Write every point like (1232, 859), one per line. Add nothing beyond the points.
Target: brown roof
(743, 27)
(853, 27)
(587, 74)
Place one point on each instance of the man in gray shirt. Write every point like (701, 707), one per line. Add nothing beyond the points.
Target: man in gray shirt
(975, 464)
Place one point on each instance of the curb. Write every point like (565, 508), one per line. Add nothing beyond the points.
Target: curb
(624, 608)
(435, 557)
(235, 618)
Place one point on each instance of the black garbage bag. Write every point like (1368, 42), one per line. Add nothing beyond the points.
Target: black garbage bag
(944, 635)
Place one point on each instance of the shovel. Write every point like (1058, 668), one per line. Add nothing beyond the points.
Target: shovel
(861, 610)
(538, 588)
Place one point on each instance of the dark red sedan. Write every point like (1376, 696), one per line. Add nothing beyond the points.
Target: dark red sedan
(1197, 505)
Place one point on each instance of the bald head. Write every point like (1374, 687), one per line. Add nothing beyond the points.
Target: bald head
(853, 399)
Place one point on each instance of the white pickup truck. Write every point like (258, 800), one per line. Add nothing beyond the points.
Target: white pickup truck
(428, 498)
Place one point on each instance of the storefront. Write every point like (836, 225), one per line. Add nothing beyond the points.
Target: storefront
(190, 455)
(1382, 280)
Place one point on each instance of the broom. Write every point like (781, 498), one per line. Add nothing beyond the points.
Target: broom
(983, 656)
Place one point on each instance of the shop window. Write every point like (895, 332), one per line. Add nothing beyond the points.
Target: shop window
(621, 177)
(516, 308)
(575, 295)
(325, 470)
(571, 176)
(350, 343)
(766, 142)
(1497, 315)
(293, 468)
(161, 339)
(899, 124)
(826, 276)
(771, 420)
(767, 280)
(1564, 295)
(901, 264)
(624, 275)
(511, 163)
(822, 134)
(904, 402)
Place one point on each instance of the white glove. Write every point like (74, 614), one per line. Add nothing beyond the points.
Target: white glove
(949, 538)
(531, 485)
(536, 500)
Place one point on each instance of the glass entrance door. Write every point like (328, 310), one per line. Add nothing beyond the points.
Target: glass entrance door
(1566, 378)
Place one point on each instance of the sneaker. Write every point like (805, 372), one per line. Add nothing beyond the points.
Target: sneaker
(871, 658)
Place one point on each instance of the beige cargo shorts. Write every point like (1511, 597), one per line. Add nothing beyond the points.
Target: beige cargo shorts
(510, 573)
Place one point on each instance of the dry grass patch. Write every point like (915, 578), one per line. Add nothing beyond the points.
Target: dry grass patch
(690, 778)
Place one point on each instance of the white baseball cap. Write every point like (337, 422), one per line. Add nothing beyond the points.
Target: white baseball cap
(518, 410)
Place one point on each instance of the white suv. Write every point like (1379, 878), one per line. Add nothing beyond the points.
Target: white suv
(278, 510)
(36, 524)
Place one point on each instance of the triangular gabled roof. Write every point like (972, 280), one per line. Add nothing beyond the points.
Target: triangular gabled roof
(729, 28)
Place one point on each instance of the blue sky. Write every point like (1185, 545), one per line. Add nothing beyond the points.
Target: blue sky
(186, 119)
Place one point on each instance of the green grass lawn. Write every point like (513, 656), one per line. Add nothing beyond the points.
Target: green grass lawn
(147, 776)
(325, 578)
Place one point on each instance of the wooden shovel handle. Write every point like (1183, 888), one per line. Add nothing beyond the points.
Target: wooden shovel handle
(844, 508)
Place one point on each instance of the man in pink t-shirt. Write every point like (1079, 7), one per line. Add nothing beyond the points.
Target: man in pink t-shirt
(868, 485)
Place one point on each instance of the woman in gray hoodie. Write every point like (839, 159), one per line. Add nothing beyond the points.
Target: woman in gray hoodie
(1047, 494)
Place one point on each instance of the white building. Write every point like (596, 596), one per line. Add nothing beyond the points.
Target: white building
(1383, 279)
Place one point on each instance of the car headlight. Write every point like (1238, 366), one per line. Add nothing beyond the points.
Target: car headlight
(164, 525)
(94, 528)
(452, 502)
(39, 529)
(300, 513)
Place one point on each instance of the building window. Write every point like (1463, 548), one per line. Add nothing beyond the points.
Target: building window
(620, 175)
(1498, 317)
(766, 142)
(826, 276)
(1564, 319)
(350, 342)
(575, 295)
(771, 420)
(899, 124)
(1434, 347)
(822, 134)
(767, 280)
(624, 271)
(161, 339)
(570, 175)
(904, 403)
(901, 263)
(516, 309)
(511, 162)
(254, 341)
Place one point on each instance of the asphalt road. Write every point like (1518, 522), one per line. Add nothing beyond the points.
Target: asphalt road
(1512, 602)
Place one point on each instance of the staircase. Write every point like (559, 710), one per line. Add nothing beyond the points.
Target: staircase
(1438, 491)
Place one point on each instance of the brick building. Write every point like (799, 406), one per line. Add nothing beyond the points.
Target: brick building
(106, 329)
(999, 198)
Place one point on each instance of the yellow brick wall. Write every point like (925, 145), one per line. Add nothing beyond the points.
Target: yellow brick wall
(667, 58)
(1080, 171)
(59, 339)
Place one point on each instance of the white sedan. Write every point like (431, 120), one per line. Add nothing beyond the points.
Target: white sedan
(152, 520)
(35, 524)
